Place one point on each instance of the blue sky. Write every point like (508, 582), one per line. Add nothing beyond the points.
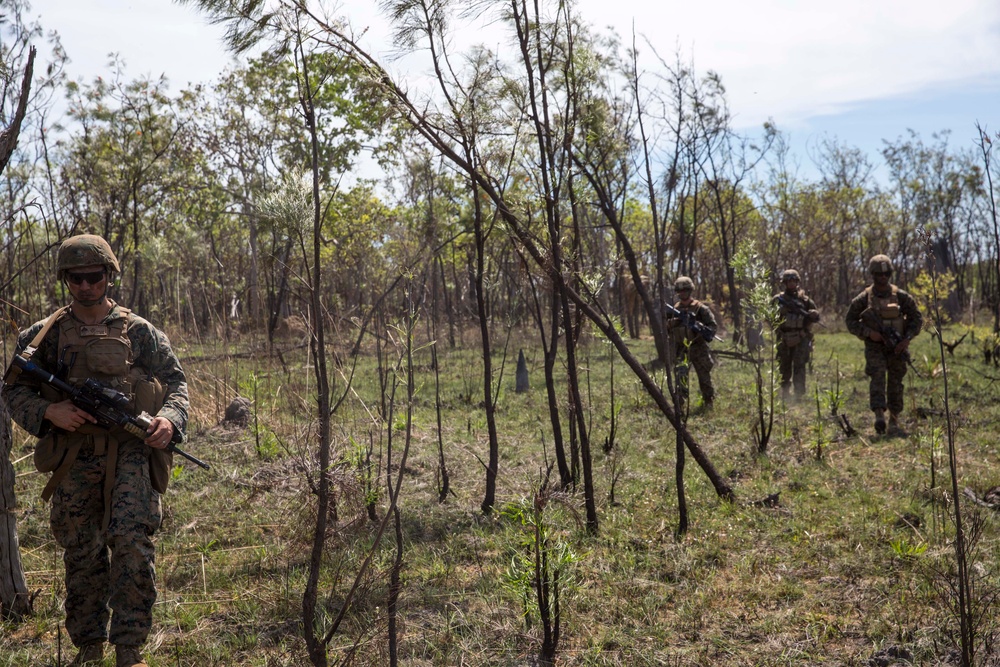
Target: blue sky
(858, 71)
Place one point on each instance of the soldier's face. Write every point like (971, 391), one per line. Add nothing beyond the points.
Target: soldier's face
(684, 295)
(88, 284)
(881, 278)
(792, 284)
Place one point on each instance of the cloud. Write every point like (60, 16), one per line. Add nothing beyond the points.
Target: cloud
(860, 69)
(796, 59)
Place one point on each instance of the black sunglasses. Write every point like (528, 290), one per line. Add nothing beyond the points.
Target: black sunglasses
(881, 273)
(92, 278)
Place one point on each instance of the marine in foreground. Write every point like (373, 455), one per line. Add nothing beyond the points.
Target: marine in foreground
(106, 480)
(886, 318)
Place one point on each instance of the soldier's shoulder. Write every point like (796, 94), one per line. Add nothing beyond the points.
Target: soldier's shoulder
(141, 330)
(139, 322)
(34, 328)
(26, 335)
(861, 296)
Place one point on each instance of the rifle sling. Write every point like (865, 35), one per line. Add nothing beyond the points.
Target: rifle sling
(14, 371)
(29, 351)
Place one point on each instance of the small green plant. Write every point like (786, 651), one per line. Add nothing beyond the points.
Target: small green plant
(540, 569)
(819, 427)
(835, 398)
(906, 550)
(926, 285)
(266, 442)
(754, 276)
(176, 474)
(207, 547)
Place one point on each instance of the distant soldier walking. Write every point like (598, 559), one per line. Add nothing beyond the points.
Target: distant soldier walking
(106, 483)
(688, 329)
(798, 313)
(887, 319)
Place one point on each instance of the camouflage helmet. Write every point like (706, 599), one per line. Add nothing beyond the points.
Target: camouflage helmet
(683, 283)
(880, 264)
(85, 250)
(789, 274)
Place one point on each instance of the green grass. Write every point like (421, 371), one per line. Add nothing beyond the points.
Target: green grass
(842, 568)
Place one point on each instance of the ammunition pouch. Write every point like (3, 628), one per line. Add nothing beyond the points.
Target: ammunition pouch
(148, 396)
(11, 375)
(792, 337)
(161, 463)
(50, 452)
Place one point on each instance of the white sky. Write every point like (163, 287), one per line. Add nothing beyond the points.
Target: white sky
(856, 70)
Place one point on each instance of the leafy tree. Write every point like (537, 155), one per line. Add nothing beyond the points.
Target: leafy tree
(118, 172)
(242, 125)
(937, 190)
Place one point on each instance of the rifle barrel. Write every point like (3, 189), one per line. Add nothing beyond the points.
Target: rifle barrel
(177, 450)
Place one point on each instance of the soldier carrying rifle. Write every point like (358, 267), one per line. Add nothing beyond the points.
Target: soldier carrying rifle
(690, 326)
(887, 319)
(106, 479)
(798, 314)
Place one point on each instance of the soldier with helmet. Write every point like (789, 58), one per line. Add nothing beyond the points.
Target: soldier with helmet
(881, 314)
(689, 346)
(798, 313)
(106, 483)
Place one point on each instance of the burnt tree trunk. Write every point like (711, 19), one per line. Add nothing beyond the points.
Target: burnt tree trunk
(14, 599)
(8, 136)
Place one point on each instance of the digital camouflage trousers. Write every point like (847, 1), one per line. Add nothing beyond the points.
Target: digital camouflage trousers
(792, 362)
(697, 355)
(885, 371)
(109, 575)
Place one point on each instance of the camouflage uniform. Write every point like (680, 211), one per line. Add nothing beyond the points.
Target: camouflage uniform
(885, 369)
(798, 313)
(690, 349)
(109, 571)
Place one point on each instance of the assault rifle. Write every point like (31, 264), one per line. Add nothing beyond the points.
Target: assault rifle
(109, 406)
(890, 337)
(688, 320)
(793, 306)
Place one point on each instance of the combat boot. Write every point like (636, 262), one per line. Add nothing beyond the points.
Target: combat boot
(128, 656)
(894, 427)
(90, 654)
(880, 422)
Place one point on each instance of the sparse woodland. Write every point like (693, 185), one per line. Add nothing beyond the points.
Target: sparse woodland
(389, 498)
